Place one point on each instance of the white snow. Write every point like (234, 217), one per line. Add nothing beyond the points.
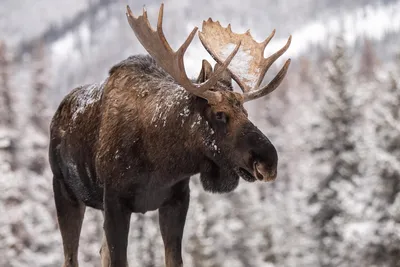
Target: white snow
(197, 121)
(89, 96)
(359, 230)
(165, 102)
(240, 64)
(62, 48)
(369, 21)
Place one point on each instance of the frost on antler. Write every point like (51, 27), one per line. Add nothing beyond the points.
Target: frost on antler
(249, 66)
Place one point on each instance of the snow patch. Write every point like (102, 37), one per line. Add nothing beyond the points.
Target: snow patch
(62, 48)
(200, 124)
(87, 96)
(117, 155)
(166, 101)
(197, 121)
(240, 64)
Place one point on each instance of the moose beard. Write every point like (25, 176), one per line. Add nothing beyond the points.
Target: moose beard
(216, 179)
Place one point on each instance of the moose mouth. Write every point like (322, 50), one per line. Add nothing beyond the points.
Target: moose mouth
(256, 174)
(246, 175)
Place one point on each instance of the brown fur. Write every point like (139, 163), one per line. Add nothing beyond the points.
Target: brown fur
(131, 144)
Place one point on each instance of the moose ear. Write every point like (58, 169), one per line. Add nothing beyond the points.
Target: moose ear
(225, 77)
(205, 73)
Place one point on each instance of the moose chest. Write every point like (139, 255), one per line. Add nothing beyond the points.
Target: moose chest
(146, 199)
(150, 192)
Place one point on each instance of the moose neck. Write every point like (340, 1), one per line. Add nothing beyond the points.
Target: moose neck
(176, 128)
(155, 117)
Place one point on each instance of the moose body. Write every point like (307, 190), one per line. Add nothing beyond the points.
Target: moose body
(123, 131)
(131, 144)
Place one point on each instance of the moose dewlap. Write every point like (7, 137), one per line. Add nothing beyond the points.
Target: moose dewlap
(131, 143)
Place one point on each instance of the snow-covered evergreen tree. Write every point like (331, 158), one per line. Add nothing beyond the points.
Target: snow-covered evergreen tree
(8, 120)
(380, 190)
(337, 150)
(39, 119)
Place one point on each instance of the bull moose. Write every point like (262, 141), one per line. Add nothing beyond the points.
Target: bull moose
(131, 143)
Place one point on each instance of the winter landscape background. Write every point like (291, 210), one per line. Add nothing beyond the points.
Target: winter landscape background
(335, 122)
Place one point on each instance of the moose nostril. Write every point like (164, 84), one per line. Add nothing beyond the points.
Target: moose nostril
(267, 156)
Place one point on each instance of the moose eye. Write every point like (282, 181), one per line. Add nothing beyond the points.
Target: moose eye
(221, 116)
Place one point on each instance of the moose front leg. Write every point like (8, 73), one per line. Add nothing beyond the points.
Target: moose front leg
(116, 228)
(172, 216)
(105, 252)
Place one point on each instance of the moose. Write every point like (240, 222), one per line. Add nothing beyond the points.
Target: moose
(131, 143)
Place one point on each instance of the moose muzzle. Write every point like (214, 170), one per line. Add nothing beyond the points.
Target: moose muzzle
(263, 157)
(262, 173)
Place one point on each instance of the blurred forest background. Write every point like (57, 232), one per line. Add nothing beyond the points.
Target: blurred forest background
(335, 122)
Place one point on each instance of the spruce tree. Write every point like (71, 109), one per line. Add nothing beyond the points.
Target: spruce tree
(336, 151)
(7, 113)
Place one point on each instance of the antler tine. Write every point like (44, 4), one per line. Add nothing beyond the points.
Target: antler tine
(145, 12)
(172, 62)
(159, 27)
(272, 85)
(271, 59)
(266, 41)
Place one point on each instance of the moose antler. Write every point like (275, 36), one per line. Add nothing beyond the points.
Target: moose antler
(249, 66)
(172, 62)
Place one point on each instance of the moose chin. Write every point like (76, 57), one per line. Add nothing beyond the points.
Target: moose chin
(131, 143)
